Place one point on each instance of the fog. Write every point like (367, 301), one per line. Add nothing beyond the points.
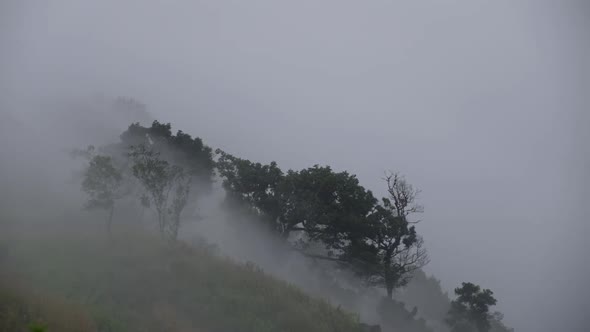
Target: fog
(482, 105)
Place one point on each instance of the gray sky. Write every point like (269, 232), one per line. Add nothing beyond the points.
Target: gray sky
(480, 103)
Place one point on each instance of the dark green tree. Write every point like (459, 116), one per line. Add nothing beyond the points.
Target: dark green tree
(327, 206)
(332, 209)
(322, 204)
(102, 183)
(386, 249)
(180, 149)
(255, 186)
(470, 310)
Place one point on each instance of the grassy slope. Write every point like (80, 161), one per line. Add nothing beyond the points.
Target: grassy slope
(22, 308)
(137, 283)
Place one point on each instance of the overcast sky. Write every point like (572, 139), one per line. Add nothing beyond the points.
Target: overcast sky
(479, 103)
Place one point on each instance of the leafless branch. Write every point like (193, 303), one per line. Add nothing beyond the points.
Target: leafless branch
(402, 194)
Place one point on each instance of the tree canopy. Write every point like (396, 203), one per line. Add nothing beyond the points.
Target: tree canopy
(470, 310)
(180, 149)
(333, 209)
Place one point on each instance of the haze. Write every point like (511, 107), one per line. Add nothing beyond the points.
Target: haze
(480, 104)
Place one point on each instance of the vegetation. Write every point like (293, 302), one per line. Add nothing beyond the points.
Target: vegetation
(25, 308)
(102, 182)
(137, 282)
(374, 239)
(470, 311)
(168, 186)
(389, 249)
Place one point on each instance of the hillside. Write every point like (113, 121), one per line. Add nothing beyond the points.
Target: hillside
(73, 280)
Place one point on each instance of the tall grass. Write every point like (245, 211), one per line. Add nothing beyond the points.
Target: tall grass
(135, 282)
(24, 308)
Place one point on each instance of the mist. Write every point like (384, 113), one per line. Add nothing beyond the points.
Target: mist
(482, 105)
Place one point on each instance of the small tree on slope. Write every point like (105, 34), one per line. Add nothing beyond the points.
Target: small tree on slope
(168, 187)
(102, 183)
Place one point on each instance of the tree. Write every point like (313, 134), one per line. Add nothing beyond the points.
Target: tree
(328, 206)
(180, 149)
(168, 186)
(321, 204)
(144, 201)
(387, 249)
(102, 182)
(402, 196)
(188, 167)
(255, 186)
(470, 311)
(332, 209)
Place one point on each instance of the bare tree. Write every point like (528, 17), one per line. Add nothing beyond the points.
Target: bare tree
(403, 195)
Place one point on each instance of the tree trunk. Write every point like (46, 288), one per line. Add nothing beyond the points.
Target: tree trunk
(388, 274)
(389, 291)
(110, 221)
(161, 221)
(175, 228)
(141, 215)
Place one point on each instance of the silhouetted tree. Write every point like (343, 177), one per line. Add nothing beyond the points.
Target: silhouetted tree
(256, 186)
(471, 309)
(328, 206)
(323, 204)
(386, 249)
(333, 209)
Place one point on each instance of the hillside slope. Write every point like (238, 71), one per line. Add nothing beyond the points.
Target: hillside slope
(135, 282)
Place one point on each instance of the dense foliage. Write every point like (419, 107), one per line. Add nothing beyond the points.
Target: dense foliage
(374, 238)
